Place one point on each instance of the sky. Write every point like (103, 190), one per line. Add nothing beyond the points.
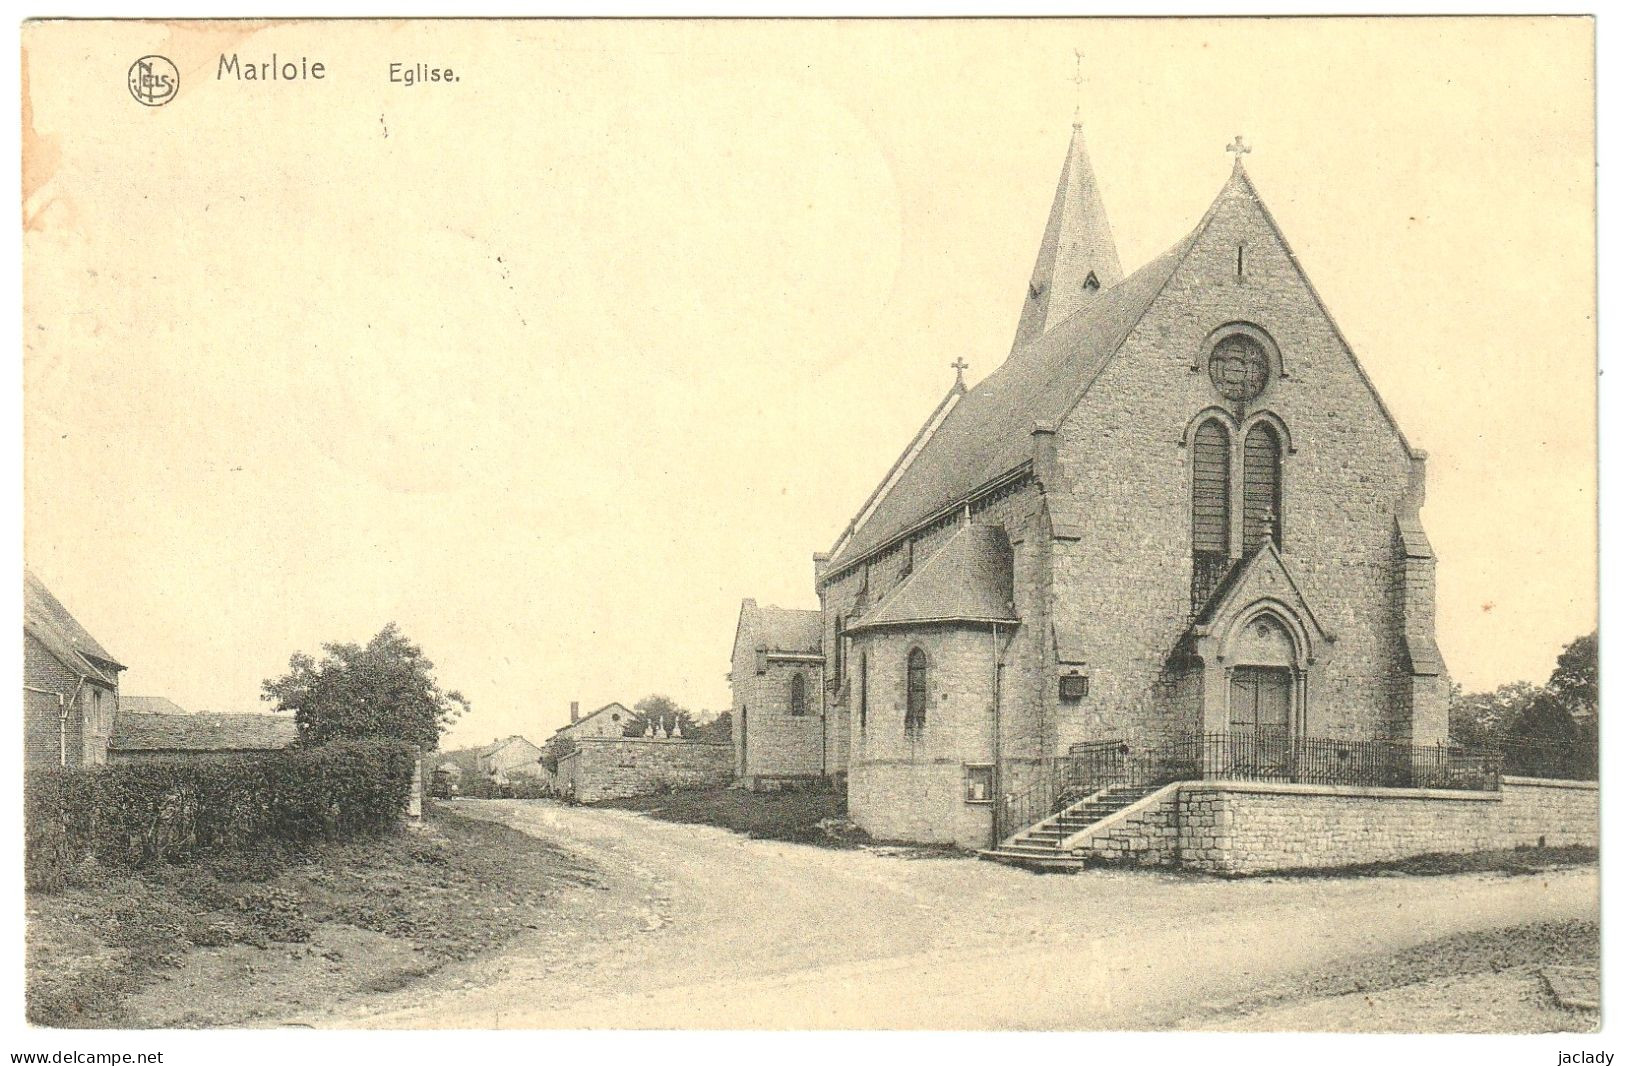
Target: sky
(554, 364)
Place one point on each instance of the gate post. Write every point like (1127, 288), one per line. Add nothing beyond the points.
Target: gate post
(414, 802)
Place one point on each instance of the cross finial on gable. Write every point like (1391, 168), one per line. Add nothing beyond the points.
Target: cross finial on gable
(960, 366)
(1077, 80)
(1238, 148)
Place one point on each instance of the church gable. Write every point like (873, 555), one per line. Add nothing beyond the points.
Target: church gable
(1238, 270)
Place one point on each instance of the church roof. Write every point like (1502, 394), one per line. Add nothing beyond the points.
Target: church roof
(989, 432)
(786, 630)
(1077, 259)
(968, 579)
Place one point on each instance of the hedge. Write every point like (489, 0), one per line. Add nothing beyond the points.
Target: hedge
(137, 814)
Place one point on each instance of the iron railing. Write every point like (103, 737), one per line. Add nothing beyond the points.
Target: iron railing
(1241, 755)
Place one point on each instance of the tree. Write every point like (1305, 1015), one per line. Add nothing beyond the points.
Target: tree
(385, 688)
(663, 711)
(553, 750)
(719, 729)
(1574, 681)
(1543, 731)
(1481, 720)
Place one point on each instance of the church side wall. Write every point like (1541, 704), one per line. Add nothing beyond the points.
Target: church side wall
(903, 788)
(931, 808)
(778, 743)
(1126, 585)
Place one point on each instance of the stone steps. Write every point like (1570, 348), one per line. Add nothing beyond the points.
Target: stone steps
(1038, 847)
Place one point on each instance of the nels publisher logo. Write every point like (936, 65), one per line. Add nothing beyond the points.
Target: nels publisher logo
(154, 81)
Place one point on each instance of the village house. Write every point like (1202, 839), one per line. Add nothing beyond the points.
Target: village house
(168, 737)
(1174, 536)
(510, 757)
(781, 726)
(70, 684)
(593, 758)
(610, 720)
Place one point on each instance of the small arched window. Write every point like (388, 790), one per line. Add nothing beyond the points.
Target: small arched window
(798, 696)
(863, 690)
(1210, 509)
(914, 720)
(1260, 488)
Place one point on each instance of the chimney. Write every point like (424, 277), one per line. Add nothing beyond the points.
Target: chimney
(575, 711)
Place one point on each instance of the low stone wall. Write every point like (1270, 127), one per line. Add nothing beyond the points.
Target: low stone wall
(1144, 835)
(615, 767)
(1241, 827)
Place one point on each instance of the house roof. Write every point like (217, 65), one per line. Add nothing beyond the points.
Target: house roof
(505, 742)
(202, 732)
(611, 705)
(49, 621)
(968, 579)
(1077, 245)
(150, 705)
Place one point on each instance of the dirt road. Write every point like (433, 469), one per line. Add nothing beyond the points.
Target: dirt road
(694, 927)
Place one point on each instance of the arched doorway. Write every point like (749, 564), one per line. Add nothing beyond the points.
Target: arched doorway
(1264, 696)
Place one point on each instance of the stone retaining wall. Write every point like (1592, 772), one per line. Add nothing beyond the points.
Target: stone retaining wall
(615, 767)
(1239, 827)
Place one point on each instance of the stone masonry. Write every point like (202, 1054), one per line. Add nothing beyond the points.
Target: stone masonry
(1245, 827)
(603, 768)
(1079, 449)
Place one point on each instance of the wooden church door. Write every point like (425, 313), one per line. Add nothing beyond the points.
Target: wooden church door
(1260, 718)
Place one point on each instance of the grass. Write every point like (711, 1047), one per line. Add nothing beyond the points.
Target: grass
(803, 817)
(408, 903)
(1522, 860)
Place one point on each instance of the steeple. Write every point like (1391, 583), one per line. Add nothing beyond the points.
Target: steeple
(1078, 257)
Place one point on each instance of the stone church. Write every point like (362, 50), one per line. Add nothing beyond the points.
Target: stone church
(1177, 509)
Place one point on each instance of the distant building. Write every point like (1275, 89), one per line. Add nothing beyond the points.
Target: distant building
(178, 737)
(70, 684)
(150, 705)
(510, 756)
(610, 720)
(780, 728)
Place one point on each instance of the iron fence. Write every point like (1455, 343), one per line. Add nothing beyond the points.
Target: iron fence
(1241, 755)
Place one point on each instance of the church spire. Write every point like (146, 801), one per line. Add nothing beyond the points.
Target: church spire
(1077, 258)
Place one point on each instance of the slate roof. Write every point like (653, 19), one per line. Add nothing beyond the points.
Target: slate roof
(989, 432)
(49, 621)
(787, 629)
(202, 732)
(492, 749)
(968, 579)
(1077, 242)
(150, 705)
(612, 704)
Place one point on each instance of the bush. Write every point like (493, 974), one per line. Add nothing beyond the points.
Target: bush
(144, 813)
